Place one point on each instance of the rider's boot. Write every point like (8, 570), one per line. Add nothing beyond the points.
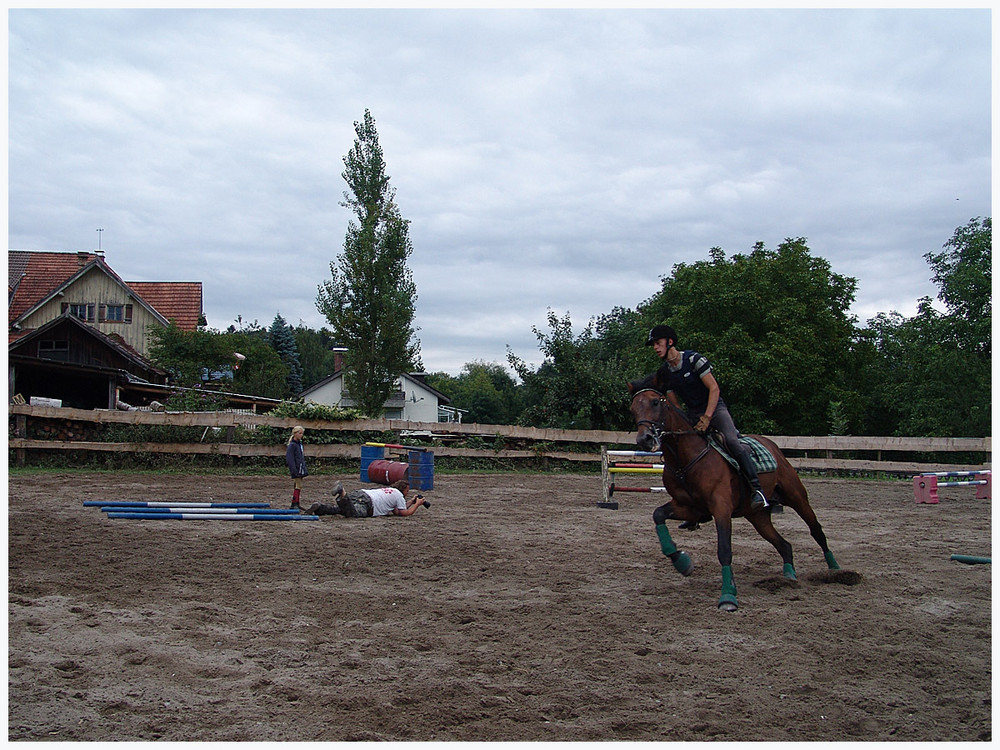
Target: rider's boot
(757, 500)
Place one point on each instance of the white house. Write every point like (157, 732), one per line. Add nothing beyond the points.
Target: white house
(414, 400)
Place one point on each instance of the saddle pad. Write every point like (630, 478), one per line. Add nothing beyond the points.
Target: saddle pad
(763, 461)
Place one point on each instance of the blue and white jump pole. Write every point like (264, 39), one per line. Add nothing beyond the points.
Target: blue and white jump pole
(212, 516)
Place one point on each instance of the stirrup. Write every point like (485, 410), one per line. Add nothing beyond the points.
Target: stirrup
(758, 501)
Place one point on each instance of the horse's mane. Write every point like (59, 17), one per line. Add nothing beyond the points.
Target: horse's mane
(648, 383)
(653, 383)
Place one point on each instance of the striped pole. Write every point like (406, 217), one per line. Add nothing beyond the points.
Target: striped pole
(609, 468)
(630, 454)
(954, 473)
(616, 470)
(212, 516)
(398, 446)
(217, 511)
(167, 504)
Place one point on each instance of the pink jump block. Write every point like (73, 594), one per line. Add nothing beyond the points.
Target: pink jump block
(925, 486)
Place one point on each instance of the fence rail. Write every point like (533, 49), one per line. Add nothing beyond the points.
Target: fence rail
(821, 448)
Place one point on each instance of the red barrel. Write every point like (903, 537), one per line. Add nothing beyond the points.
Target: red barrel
(388, 472)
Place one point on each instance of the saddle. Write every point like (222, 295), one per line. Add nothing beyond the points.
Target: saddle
(762, 459)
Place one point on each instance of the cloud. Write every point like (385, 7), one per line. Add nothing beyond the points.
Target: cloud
(546, 159)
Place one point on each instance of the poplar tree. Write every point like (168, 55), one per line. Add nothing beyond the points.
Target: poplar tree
(370, 298)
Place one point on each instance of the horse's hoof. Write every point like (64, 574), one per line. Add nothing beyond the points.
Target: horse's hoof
(789, 572)
(728, 603)
(683, 564)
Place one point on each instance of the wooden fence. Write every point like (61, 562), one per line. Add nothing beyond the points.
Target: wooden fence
(814, 453)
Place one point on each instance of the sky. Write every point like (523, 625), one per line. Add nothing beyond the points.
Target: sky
(546, 159)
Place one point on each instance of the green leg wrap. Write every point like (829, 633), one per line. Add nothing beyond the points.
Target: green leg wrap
(728, 599)
(831, 563)
(789, 572)
(666, 541)
(681, 560)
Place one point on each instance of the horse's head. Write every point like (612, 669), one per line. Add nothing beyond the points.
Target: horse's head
(648, 406)
(655, 415)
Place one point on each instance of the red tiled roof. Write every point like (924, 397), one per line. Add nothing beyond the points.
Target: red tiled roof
(39, 274)
(33, 276)
(177, 300)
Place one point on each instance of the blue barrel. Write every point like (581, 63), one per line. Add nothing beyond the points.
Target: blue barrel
(421, 470)
(370, 453)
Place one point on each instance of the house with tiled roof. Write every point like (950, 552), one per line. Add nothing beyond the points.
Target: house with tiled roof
(79, 333)
(41, 286)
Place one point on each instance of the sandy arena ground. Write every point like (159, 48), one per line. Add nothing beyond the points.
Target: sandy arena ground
(512, 609)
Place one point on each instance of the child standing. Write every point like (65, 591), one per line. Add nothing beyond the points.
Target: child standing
(295, 457)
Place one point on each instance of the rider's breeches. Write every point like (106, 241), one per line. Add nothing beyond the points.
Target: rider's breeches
(722, 420)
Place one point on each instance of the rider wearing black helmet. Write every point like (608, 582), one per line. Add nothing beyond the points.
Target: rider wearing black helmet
(687, 376)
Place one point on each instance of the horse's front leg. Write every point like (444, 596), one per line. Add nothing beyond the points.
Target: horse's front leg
(724, 529)
(681, 560)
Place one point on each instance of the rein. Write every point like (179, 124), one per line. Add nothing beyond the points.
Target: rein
(657, 428)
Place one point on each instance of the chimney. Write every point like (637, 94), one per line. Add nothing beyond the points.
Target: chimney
(338, 358)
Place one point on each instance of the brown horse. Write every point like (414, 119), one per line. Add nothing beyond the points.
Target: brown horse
(703, 486)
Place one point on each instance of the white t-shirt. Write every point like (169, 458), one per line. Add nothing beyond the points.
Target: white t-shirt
(385, 500)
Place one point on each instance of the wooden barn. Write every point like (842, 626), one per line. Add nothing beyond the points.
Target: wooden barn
(77, 332)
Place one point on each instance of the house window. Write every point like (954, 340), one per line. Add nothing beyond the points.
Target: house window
(115, 314)
(84, 311)
(54, 350)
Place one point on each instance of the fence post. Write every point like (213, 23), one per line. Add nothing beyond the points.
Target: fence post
(21, 431)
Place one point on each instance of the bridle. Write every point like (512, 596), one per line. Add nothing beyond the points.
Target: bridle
(656, 428)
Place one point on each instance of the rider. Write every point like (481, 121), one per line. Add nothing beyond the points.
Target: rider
(688, 374)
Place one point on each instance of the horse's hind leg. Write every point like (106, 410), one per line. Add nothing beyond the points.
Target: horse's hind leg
(724, 530)
(798, 498)
(762, 522)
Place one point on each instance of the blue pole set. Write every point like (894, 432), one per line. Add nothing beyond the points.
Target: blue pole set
(203, 511)
(213, 516)
(157, 504)
(180, 511)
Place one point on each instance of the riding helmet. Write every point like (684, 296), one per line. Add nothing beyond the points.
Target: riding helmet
(661, 332)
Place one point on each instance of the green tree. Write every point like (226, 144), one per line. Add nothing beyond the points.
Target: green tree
(262, 373)
(575, 387)
(964, 273)
(207, 357)
(776, 327)
(316, 353)
(484, 390)
(934, 373)
(281, 338)
(370, 297)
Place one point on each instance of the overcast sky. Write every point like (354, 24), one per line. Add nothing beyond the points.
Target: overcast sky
(546, 159)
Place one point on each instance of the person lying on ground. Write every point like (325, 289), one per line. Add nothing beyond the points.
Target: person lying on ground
(364, 503)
